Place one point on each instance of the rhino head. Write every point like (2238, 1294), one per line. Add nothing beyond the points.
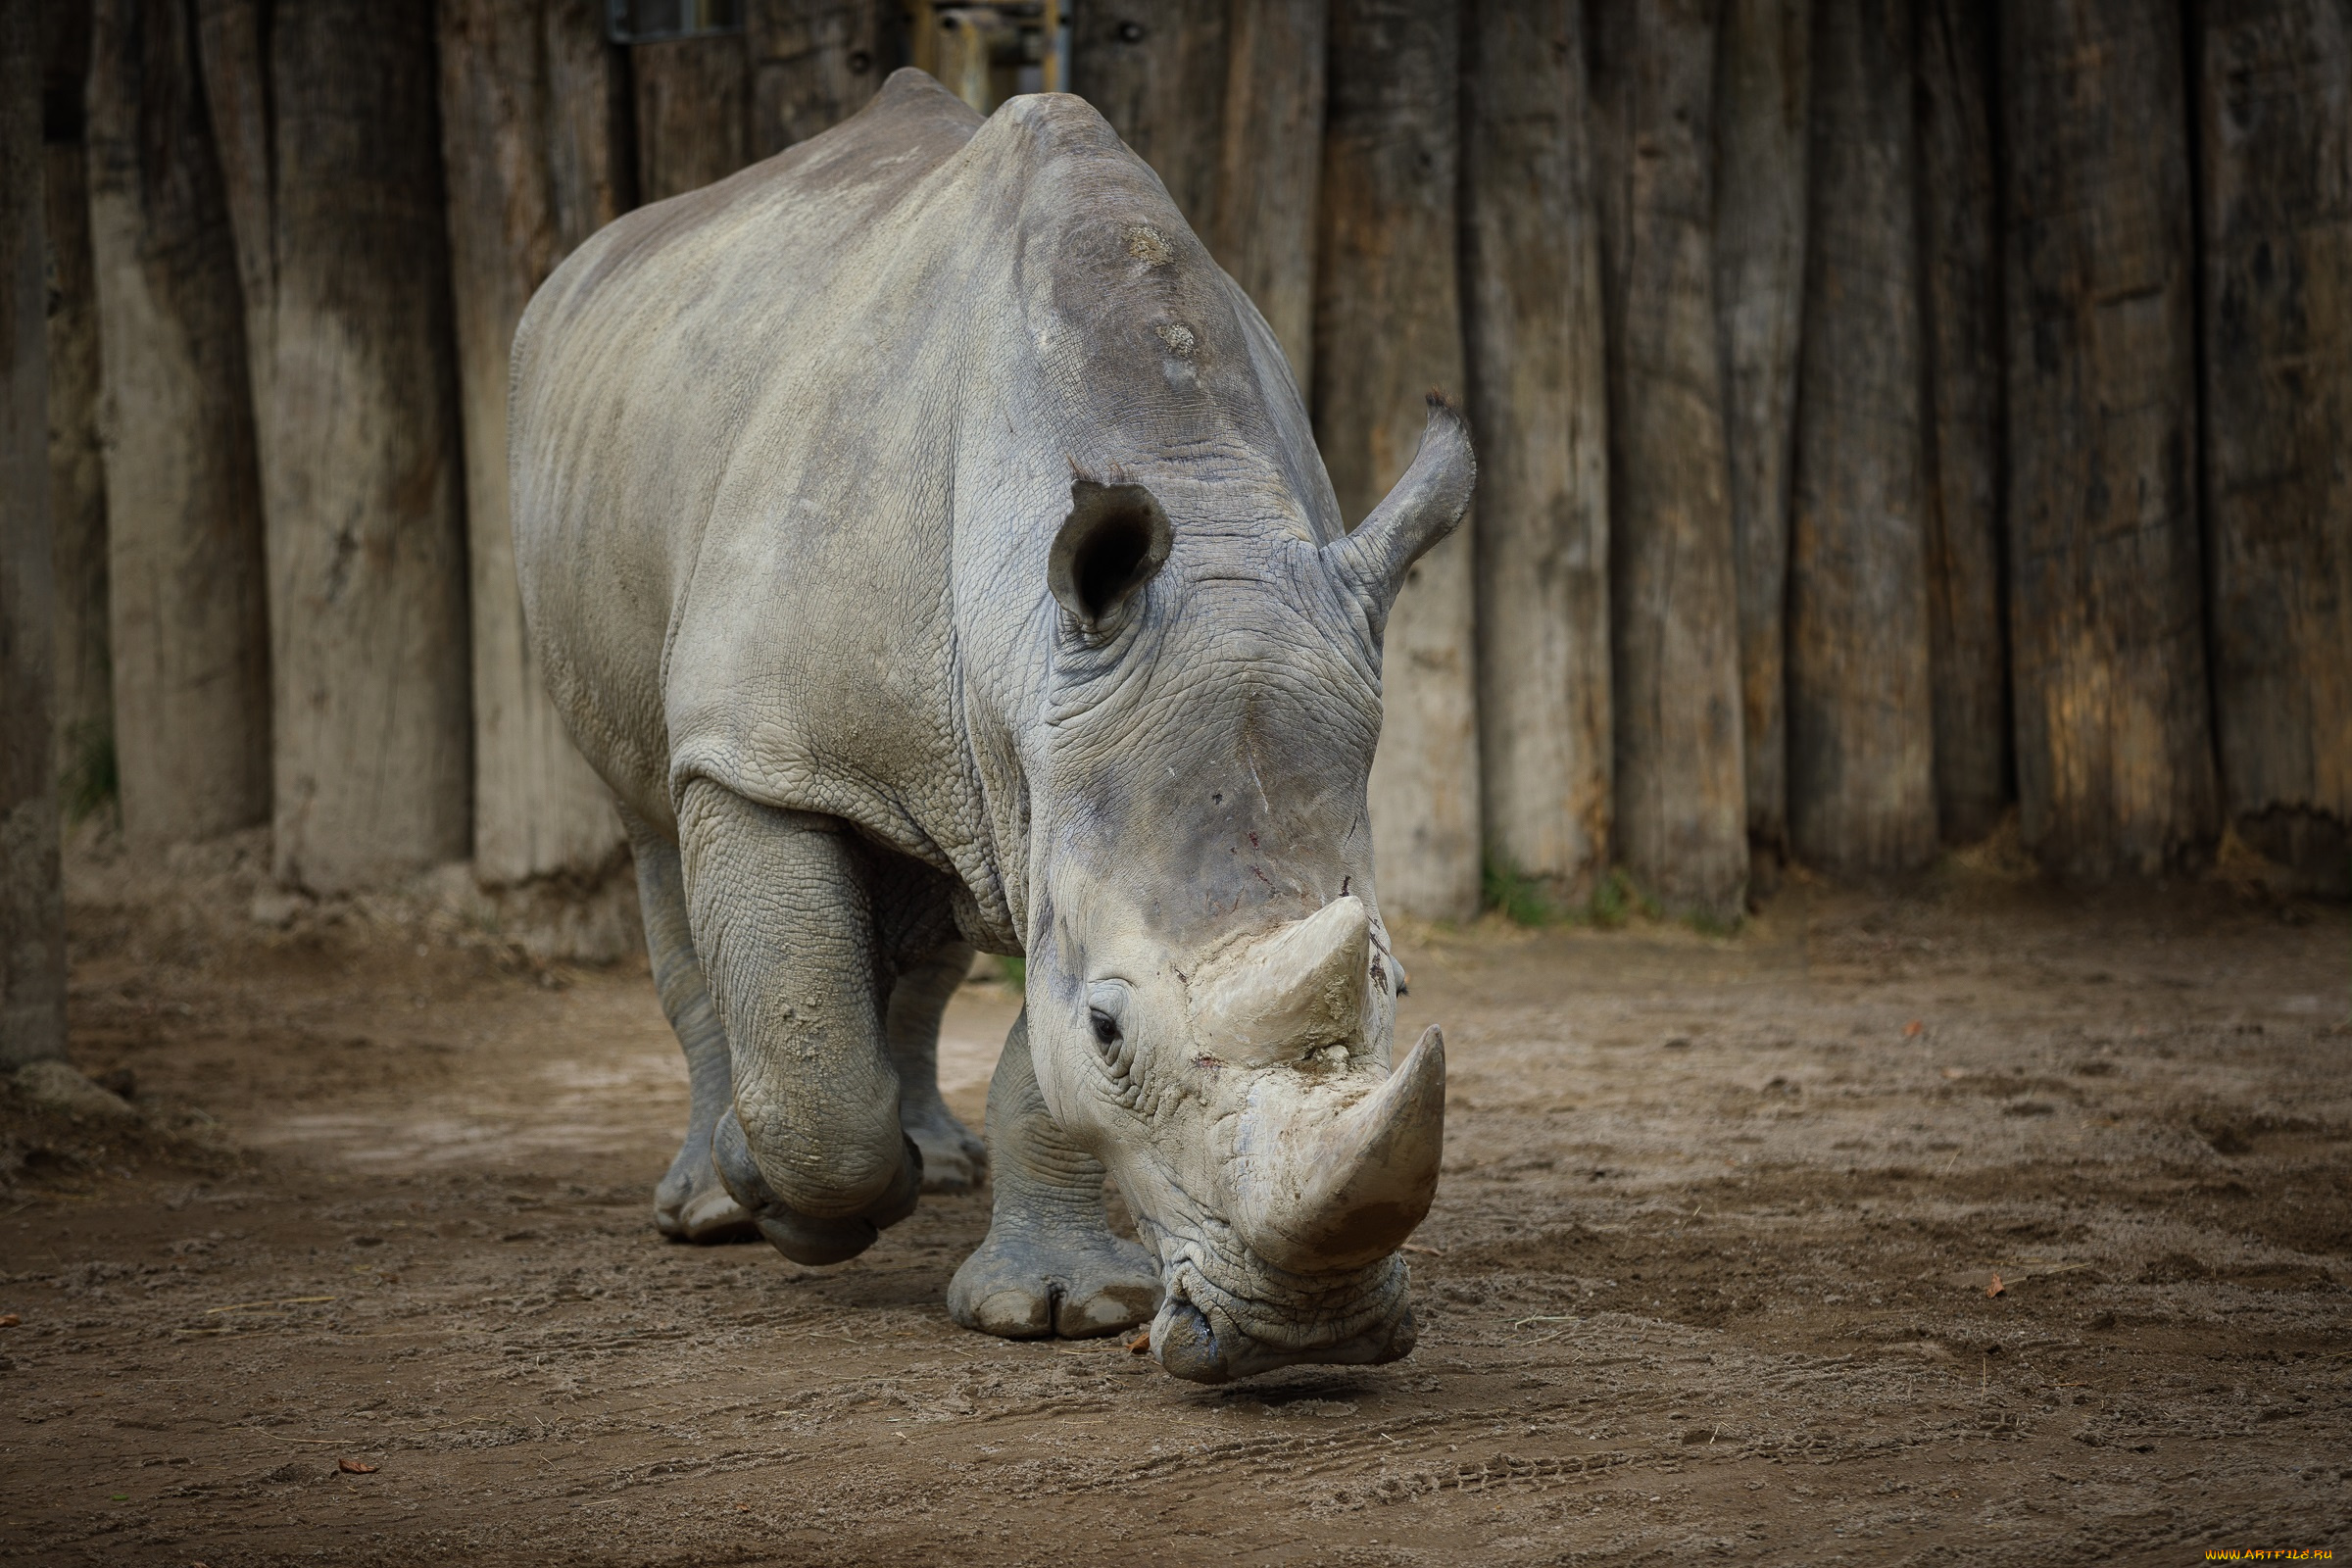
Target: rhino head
(1212, 995)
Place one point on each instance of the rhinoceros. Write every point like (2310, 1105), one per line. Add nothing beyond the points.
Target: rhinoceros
(927, 544)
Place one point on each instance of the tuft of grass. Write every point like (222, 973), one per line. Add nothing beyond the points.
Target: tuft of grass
(1616, 899)
(91, 783)
(1706, 926)
(1521, 898)
(1528, 900)
(1016, 972)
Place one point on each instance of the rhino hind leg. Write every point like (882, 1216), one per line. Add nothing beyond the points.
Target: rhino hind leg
(1052, 1264)
(690, 1204)
(953, 1161)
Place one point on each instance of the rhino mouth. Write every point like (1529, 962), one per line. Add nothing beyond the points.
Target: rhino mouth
(1208, 1332)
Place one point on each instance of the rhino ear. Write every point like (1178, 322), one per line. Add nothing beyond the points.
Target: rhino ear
(1423, 508)
(1114, 540)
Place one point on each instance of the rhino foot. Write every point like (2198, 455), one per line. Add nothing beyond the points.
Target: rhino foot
(1027, 1287)
(692, 1205)
(953, 1161)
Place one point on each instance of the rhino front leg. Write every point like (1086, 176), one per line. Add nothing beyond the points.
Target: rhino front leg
(783, 919)
(953, 1161)
(690, 1204)
(1052, 1263)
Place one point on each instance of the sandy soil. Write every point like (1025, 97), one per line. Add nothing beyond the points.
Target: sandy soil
(1707, 1278)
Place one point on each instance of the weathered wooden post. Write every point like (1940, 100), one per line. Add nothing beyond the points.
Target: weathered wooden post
(329, 137)
(1158, 72)
(1861, 725)
(85, 703)
(1539, 396)
(32, 920)
(2276, 104)
(1682, 805)
(2114, 753)
(534, 145)
(1762, 133)
(814, 63)
(189, 627)
(1387, 327)
(693, 110)
(1261, 223)
(1960, 269)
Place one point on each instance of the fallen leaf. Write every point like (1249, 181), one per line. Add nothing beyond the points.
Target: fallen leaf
(1955, 1073)
(1141, 1344)
(9, 1320)
(356, 1467)
(1911, 1030)
(1997, 1287)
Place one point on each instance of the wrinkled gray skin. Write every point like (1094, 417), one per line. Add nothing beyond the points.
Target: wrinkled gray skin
(926, 542)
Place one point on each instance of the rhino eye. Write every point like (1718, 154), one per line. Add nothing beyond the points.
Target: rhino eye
(1106, 1027)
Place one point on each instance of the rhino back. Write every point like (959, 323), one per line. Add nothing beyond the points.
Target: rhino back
(636, 370)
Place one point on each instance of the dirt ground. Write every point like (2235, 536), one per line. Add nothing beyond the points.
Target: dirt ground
(1708, 1277)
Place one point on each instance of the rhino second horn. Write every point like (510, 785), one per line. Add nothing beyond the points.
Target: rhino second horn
(1354, 1187)
(1292, 992)
(1425, 506)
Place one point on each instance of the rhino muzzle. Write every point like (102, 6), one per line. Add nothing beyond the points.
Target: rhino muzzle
(1330, 1163)
(1206, 1334)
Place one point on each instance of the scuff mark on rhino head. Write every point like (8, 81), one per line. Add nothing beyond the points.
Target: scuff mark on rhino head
(1211, 998)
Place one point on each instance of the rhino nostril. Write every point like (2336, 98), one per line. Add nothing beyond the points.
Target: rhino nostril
(1186, 1345)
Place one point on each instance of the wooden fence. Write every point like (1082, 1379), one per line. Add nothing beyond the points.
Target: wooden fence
(1892, 413)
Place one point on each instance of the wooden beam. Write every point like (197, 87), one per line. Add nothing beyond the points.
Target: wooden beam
(2275, 100)
(1539, 396)
(1762, 133)
(1681, 804)
(1388, 328)
(326, 117)
(188, 608)
(1960, 270)
(33, 919)
(535, 152)
(1861, 723)
(2114, 751)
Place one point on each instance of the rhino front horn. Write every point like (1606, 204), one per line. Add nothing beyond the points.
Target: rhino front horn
(1342, 1193)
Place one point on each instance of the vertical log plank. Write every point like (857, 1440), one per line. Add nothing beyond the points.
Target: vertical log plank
(189, 629)
(1387, 327)
(1538, 392)
(1269, 165)
(1761, 137)
(1861, 721)
(86, 704)
(32, 922)
(1960, 269)
(1158, 72)
(2275, 99)
(327, 122)
(535, 162)
(2113, 754)
(814, 63)
(1681, 804)
(694, 112)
